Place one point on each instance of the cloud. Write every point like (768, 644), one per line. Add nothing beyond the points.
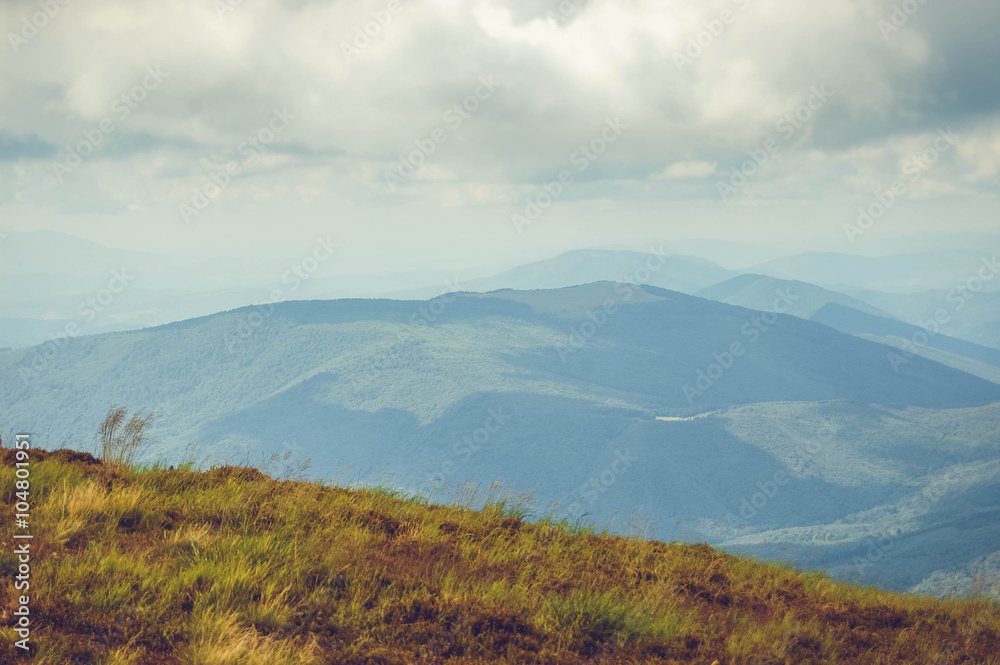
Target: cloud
(686, 170)
(562, 78)
(13, 148)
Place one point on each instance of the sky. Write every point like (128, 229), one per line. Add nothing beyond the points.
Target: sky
(419, 133)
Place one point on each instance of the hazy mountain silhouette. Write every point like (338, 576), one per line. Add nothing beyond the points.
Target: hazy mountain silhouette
(556, 392)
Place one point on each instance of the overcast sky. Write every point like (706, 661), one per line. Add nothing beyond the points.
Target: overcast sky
(835, 101)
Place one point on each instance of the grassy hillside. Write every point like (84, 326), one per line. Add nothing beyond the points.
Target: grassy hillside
(543, 390)
(229, 566)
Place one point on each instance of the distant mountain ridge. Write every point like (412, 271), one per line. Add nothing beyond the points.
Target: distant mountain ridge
(850, 320)
(856, 317)
(901, 273)
(548, 390)
(757, 292)
(974, 317)
(655, 267)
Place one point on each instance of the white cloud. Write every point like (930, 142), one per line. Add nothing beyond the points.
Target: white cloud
(685, 170)
(560, 82)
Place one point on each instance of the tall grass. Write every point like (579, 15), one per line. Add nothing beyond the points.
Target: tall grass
(176, 566)
(119, 439)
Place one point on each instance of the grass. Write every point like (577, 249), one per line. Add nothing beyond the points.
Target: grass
(228, 566)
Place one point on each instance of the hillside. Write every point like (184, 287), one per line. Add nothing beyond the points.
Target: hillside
(849, 320)
(758, 292)
(972, 317)
(856, 317)
(465, 389)
(227, 566)
(906, 346)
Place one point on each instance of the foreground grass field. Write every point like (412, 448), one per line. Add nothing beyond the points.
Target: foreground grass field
(228, 566)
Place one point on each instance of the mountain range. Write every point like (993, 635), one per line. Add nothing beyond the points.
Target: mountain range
(629, 406)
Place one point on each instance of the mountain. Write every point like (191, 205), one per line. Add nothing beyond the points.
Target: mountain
(172, 566)
(850, 320)
(54, 285)
(907, 347)
(856, 317)
(759, 292)
(902, 273)
(729, 254)
(604, 400)
(686, 274)
(972, 316)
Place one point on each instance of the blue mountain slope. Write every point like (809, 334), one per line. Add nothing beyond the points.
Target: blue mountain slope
(643, 347)
(849, 320)
(759, 292)
(554, 392)
(657, 348)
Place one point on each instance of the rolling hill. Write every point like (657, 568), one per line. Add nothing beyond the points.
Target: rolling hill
(856, 317)
(758, 292)
(169, 566)
(558, 393)
(849, 320)
(974, 317)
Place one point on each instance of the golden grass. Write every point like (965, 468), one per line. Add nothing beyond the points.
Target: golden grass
(229, 566)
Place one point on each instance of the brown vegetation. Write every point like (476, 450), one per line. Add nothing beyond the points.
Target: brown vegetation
(230, 566)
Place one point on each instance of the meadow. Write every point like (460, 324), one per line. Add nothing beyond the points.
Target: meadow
(228, 566)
